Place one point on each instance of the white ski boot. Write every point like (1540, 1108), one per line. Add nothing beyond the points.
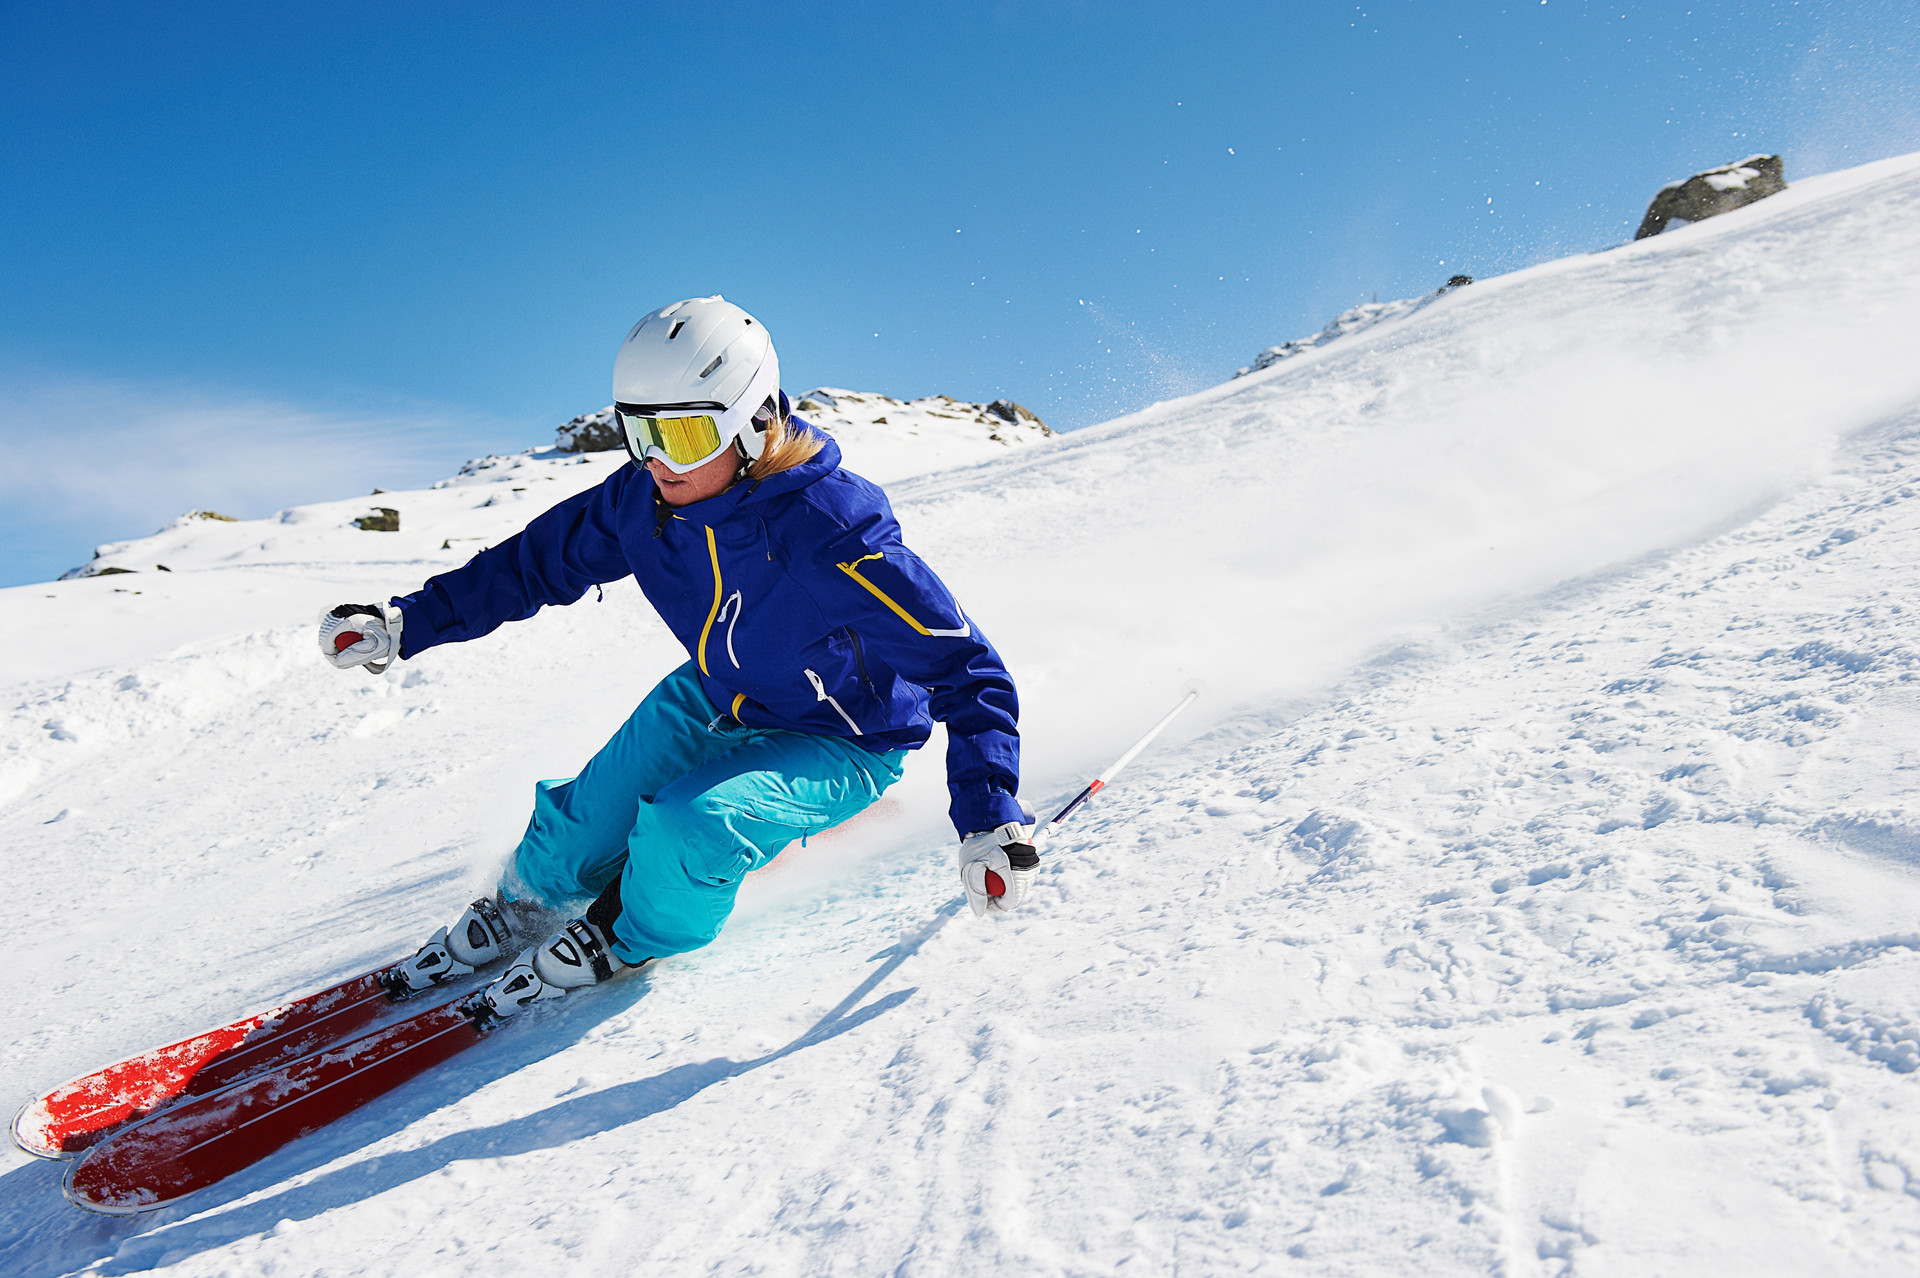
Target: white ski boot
(578, 955)
(477, 938)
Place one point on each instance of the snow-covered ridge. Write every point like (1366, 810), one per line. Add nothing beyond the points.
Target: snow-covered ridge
(928, 434)
(486, 500)
(884, 439)
(919, 435)
(1348, 323)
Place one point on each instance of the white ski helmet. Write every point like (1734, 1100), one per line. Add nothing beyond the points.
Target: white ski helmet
(692, 379)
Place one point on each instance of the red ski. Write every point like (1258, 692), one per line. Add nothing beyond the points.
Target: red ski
(195, 1142)
(77, 1115)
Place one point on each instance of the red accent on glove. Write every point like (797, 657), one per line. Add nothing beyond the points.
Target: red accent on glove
(995, 885)
(346, 639)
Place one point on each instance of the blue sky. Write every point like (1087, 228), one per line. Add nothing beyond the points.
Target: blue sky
(258, 254)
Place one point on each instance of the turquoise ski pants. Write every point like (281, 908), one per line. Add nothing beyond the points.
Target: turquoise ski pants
(680, 804)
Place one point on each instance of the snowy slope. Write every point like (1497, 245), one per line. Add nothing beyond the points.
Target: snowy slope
(1351, 323)
(1540, 892)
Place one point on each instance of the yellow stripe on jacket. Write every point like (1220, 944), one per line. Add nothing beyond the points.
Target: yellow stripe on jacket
(853, 570)
(713, 553)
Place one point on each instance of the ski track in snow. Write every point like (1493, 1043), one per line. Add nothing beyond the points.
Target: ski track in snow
(1553, 911)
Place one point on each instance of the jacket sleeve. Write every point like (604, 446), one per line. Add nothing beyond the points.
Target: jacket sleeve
(906, 616)
(552, 561)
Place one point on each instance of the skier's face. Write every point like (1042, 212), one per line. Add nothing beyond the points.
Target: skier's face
(697, 484)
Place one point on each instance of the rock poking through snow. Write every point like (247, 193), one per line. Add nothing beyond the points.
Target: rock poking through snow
(1714, 192)
(595, 432)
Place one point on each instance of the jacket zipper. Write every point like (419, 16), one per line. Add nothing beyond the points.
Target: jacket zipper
(860, 660)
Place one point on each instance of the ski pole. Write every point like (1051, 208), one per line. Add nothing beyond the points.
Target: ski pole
(1189, 694)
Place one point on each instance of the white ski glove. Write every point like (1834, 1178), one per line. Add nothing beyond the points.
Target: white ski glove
(997, 867)
(360, 635)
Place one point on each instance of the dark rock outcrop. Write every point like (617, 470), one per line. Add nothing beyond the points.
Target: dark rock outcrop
(96, 569)
(591, 433)
(1013, 414)
(386, 520)
(1714, 192)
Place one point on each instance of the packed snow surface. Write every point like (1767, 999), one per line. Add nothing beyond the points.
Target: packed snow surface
(1537, 891)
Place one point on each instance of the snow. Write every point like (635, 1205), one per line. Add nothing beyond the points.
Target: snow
(1347, 324)
(1735, 176)
(895, 439)
(1536, 892)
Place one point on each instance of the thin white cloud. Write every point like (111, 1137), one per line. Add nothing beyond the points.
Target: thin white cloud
(84, 461)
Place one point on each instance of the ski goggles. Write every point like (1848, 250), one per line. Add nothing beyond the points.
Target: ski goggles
(677, 437)
(684, 439)
(683, 436)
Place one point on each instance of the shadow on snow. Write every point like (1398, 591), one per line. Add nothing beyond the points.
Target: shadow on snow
(40, 1238)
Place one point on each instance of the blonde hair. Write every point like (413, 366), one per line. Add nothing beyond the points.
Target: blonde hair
(783, 449)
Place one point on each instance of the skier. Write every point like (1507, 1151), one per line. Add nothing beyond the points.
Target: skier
(820, 650)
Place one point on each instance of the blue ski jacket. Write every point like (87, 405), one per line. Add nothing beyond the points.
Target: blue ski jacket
(795, 597)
